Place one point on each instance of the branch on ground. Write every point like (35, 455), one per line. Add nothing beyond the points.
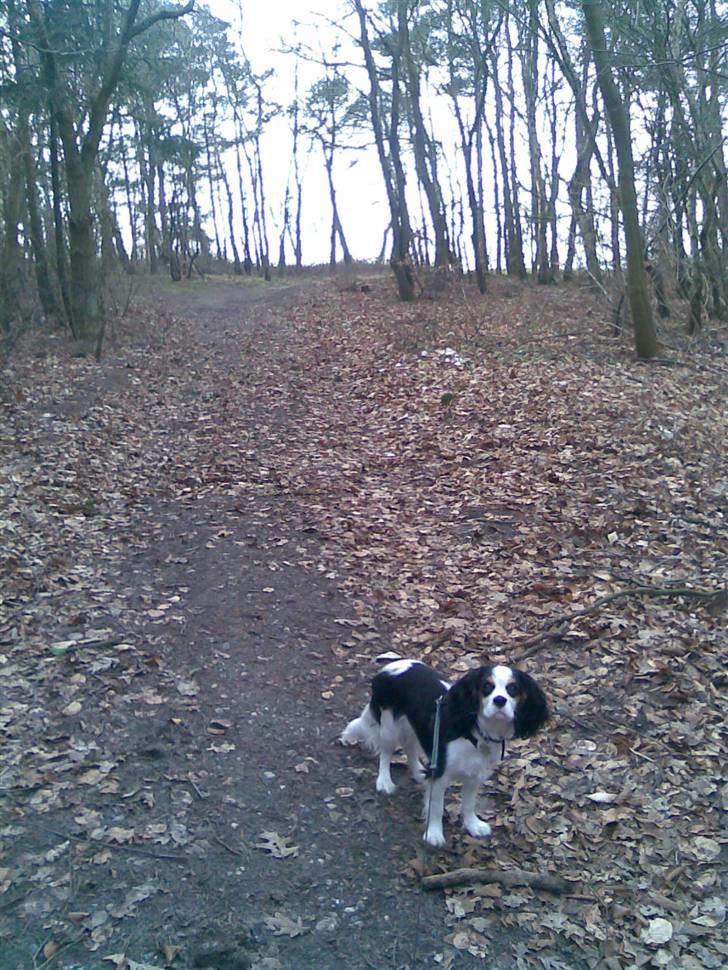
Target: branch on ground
(717, 601)
(505, 877)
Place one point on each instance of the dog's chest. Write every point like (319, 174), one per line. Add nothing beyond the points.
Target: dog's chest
(465, 761)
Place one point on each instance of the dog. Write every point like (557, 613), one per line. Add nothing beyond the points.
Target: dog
(478, 715)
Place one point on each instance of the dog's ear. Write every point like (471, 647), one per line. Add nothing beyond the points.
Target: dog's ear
(532, 711)
(464, 697)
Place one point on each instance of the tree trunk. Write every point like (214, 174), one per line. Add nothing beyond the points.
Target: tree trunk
(150, 221)
(58, 233)
(10, 263)
(337, 230)
(422, 143)
(513, 243)
(496, 201)
(391, 165)
(539, 206)
(222, 175)
(637, 289)
(296, 237)
(86, 303)
(47, 294)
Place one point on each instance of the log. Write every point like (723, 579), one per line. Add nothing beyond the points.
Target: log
(505, 877)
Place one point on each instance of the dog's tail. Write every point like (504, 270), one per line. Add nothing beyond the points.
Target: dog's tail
(365, 728)
(362, 730)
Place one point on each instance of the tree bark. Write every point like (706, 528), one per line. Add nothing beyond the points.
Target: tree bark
(80, 149)
(637, 289)
(391, 165)
(421, 142)
(10, 262)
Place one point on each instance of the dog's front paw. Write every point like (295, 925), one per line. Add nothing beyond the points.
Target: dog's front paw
(477, 828)
(435, 838)
(386, 786)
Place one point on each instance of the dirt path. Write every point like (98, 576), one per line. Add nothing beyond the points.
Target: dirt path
(175, 793)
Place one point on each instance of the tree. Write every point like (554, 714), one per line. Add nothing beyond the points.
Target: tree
(332, 117)
(472, 30)
(81, 118)
(413, 45)
(386, 128)
(637, 288)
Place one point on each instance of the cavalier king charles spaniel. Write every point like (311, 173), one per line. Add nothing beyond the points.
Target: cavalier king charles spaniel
(460, 730)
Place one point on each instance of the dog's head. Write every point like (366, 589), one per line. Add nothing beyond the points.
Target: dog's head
(503, 701)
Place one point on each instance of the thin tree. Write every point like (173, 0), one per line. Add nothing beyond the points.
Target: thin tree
(81, 141)
(637, 288)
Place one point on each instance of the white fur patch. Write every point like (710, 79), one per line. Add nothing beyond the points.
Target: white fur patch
(399, 667)
(362, 730)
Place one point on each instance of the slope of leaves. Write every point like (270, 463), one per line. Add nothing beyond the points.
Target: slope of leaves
(475, 474)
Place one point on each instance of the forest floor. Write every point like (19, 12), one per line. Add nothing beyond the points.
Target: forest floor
(206, 538)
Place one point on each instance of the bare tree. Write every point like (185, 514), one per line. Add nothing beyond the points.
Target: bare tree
(637, 288)
(81, 141)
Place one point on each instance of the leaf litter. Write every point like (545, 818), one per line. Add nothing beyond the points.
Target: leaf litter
(474, 479)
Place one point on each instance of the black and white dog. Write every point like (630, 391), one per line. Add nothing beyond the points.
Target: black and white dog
(478, 714)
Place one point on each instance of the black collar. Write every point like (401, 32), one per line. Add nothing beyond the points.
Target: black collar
(476, 736)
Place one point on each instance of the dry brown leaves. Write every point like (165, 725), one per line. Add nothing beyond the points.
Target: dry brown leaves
(474, 470)
(471, 484)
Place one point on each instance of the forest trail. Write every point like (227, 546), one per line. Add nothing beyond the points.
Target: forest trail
(208, 536)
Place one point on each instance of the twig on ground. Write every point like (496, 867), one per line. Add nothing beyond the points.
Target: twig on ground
(533, 644)
(124, 847)
(504, 877)
(564, 620)
(191, 781)
(229, 848)
(15, 901)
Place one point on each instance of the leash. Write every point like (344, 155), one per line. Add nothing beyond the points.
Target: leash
(435, 759)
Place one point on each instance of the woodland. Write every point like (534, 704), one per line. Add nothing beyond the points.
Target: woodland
(230, 478)
(532, 139)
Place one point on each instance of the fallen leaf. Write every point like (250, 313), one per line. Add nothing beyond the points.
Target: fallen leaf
(704, 849)
(602, 797)
(283, 925)
(50, 949)
(657, 932)
(170, 953)
(278, 845)
(187, 688)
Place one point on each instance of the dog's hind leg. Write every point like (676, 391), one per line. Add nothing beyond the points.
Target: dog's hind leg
(414, 759)
(388, 743)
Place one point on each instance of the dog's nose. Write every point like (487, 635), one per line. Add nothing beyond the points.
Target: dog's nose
(500, 701)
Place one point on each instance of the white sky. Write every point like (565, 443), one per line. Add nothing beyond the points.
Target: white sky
(362, 206)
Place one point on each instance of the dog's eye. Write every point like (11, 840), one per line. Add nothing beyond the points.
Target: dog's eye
(512, 690)
(488, 688)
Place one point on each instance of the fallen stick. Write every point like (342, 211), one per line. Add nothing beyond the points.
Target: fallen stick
(505, 877)
(119, 846)
(556, 628)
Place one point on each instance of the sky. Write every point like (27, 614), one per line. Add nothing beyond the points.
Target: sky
(266, 28)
